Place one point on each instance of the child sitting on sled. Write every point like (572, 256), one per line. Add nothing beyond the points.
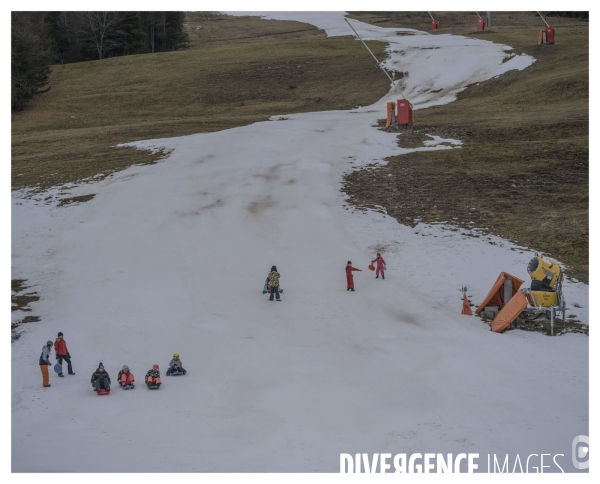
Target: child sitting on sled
(175, 366)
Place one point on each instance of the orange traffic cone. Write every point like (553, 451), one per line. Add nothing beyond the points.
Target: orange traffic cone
(466, 306)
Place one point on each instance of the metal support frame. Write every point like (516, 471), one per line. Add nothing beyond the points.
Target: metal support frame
(547, 25)
(380, 64)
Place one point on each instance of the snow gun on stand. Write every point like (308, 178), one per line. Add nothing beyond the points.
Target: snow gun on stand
(506, 301)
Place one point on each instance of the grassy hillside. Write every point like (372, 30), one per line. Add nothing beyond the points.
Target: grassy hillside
(523, 167)
(238, 71)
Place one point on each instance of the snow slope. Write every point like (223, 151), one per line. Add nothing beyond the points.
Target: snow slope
(172, 258)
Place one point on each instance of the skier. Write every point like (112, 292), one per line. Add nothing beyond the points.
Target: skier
(274, 282)
(349, 276)
(126, 378)
(62, 353)
(153, 377)
(45, 363)
(175, 365)
(100, 379)
(380, 265)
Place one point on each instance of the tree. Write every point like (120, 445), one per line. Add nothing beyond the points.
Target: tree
(100, 30)
(31, 56)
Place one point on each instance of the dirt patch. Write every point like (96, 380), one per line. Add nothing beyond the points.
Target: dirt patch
(20, 300)
(76, 200)
(542, 324)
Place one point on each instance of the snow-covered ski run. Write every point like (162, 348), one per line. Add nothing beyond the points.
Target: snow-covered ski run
(170, 257)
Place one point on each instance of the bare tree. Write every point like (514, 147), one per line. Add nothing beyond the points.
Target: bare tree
(99, 30)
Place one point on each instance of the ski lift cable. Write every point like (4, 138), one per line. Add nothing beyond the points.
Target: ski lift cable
(378, 63)
(543, 19)
(431, 15)
(478, 14)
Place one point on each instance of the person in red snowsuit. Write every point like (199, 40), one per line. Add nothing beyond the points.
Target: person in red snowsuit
(380, 263)
(349, 276)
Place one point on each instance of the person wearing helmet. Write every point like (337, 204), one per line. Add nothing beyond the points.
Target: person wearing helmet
(126, 378)
(175, 366)
(45, 363)
(100, 379)
(153, 377)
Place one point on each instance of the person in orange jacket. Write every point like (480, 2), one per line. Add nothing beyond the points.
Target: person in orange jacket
(349, 276)
(62, 353)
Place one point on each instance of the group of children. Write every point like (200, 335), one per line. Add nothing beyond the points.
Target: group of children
(100, 378)
(380, 270)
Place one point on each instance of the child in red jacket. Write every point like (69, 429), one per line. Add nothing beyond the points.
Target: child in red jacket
(62, 353)
(349, 276)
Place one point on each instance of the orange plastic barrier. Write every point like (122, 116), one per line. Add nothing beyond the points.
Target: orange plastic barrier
(466, 306)
(509, 312)
(496, 297)
(390, 114)
(480, 24)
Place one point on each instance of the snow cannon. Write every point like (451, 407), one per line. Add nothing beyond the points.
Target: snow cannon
(506, 301)
(546, 283)
(435, 24)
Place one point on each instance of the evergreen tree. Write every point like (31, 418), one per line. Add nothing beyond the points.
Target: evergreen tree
(31, 56)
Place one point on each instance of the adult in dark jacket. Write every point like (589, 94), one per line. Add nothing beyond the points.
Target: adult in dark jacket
(45, 363)
(273, 278)
(349, 276)
(62, 353)
(100, 379)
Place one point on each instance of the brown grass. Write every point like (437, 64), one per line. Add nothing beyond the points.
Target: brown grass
(270, 68)
(524, 162)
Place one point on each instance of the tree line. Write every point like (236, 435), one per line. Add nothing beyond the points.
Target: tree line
(40, 39)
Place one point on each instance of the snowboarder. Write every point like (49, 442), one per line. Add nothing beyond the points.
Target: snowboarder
(100, 380)
(380, 266)
(273, 278)
(62, 353)
(349, 276)
(153, 377)
(175, 365)
(126, 378)
(45, 363)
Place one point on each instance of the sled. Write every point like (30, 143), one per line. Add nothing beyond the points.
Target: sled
(58, 368)
(371, 267)
(267, 288)
(128, 387)
(176, 373)
(153, 387)
(103, 391)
